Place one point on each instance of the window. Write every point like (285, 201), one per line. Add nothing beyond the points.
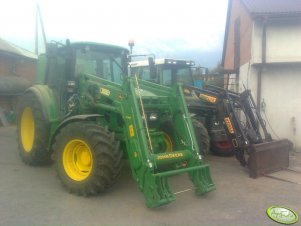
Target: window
(183, 75)
(173, 73)
(166, 77)
(101, 64)
(145, 74)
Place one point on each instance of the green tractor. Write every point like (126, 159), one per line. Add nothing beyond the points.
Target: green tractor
(87, 115)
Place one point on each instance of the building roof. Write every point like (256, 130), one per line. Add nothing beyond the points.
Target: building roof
(273, 6)
(8, 47)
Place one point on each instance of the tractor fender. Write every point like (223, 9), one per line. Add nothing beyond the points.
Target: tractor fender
(75, 118)
(47, 100)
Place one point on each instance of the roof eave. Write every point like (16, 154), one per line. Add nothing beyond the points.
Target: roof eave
(276, 15)
(17, 55)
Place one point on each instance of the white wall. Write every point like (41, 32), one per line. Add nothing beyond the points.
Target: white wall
(283, 41)
(256, 43)
(281, 83)
(282, 95)
(281, 92)
(248, 78)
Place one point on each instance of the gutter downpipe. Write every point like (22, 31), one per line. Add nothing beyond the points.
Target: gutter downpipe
(263, 60)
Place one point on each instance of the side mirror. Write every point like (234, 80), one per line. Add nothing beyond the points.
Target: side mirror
(152, 68)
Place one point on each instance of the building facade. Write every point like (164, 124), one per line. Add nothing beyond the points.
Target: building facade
(262, 52)
(17, 72)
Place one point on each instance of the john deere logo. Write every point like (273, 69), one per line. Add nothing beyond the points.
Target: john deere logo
(282, 215)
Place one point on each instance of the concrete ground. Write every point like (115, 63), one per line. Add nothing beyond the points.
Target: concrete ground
(34, 196)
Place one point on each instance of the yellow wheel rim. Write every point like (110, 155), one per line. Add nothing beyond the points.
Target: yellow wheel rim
(77, 160)
(27, 129)
(168, 142)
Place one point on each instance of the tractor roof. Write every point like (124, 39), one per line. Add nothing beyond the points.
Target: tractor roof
(162, 61)
(98, 46)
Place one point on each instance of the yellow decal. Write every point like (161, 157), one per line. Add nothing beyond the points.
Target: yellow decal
(105, 92)
(208, 98)
(131, 130)
(229, 125)
(170, 156)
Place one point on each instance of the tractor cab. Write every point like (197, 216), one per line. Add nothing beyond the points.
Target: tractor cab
(67, 62)
(168, 71)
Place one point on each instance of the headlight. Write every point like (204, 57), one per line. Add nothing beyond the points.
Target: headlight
(153, 117)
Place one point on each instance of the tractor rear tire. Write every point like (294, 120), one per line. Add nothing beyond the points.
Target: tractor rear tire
(201, 136)
(88, 158)
(222, 148)
(32, 131)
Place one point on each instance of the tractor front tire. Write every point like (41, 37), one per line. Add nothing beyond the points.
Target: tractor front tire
(201, 136)
(169, 136)
(32, 131)
(88, 158)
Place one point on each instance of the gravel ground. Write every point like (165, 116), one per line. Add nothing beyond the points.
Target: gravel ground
(34, 196)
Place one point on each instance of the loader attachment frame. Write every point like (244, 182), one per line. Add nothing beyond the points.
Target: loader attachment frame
(151, 167)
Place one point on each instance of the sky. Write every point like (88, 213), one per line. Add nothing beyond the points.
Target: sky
(166, 28)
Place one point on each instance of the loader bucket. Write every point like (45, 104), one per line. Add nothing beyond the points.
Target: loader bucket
(269, 157)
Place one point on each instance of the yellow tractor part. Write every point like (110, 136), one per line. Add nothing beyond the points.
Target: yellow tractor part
(27, 129)
(77, 160)
(168, 142)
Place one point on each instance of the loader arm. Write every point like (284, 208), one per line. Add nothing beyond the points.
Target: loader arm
(265, 154)
(218, 100)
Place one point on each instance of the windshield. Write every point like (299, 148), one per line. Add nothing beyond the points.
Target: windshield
(174, 74)
(106, 65)
(166, 74)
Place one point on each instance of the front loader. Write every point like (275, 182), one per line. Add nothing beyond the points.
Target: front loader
(248, 133)
(86, 114)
